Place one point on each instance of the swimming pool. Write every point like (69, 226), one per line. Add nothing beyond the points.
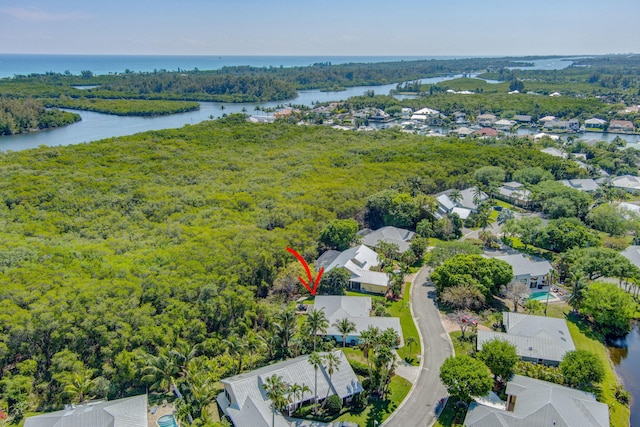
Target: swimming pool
(167, 421)
(541, 296)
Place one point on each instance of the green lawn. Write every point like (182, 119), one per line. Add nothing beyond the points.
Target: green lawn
(450, 415)
(461, 346)
(585, 339)
(380, 410)
(401, 309)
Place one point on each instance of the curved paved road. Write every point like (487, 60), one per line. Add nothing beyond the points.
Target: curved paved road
(418, 408)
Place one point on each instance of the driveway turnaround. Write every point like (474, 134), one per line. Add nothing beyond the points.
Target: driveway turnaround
(418, 409)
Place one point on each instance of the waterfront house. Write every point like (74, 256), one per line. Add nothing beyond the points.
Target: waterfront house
(622, 126)
(531, 273)
(537, 339)
(360, 262)
(594, 124)
(486, 132)
(389, 234)
(357, 310)
(244, 399)
(532, 402)
(486, 120)
(504, 124)
(127, 412)
(522, 118)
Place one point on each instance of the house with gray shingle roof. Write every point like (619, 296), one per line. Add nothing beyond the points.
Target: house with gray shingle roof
(389, 234)
(537, 339)
(534, 403)
(587, 185)
(359, 261)
(127, 412)
(357, 310)
(245, 401)
(515, 193)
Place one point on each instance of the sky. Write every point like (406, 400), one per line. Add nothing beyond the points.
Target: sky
(327, 27)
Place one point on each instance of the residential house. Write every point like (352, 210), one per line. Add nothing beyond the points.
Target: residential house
(632, 253)
(595, 124)
(389, 234)
(514, 192)
(463, 131)
(629, 209)
(486, 119)
(532, 402)
(553, 151)
(562, 125)
(459, 117)
(587, 185)
(522, 118)
(546, 119)
(537, 339)
(359, 261)
(505, 124)
(486, 132)
(627, 182)
(531, 273)
(127, 412)
(622, 126)
(357, 310)
(380, 116)
(245, 400)
(464, 207)
(545, 135)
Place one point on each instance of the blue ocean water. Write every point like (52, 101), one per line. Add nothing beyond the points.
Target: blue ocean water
(23, 64)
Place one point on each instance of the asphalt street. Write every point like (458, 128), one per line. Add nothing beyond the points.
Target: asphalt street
(419, 408)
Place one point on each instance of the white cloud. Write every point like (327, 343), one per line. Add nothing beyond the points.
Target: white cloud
(38, 15)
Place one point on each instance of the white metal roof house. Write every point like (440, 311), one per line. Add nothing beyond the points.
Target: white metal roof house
(359, 261)
(532, 402)
(357, 310)
(245, 401)
(588, 185)
(389, 234)
(532, 273)
(127, 412)
(515, 193)
(628, 182)
(537, 339)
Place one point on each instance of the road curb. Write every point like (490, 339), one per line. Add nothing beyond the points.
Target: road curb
(422, 347)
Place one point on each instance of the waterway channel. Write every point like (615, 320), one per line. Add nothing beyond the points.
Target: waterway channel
(625, 354)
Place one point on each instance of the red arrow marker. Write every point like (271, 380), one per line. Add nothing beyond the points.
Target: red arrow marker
(309, 276)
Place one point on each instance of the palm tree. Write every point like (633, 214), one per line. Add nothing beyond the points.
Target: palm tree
(80, 386)
(275, 388)
(455, 196)
(315, 360)
(331, 364)
(317, 322)
(369, 338)
(305, 388)
(384, 360)
(236, 347)
(294, 391)
(162, 370)
(345, 327)
(410, 341)
(286, 329)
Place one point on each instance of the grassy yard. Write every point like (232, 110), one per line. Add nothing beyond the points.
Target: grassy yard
(451, 416)
(461, 346)
(401, 309)
(380, 410)
(584, 339)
